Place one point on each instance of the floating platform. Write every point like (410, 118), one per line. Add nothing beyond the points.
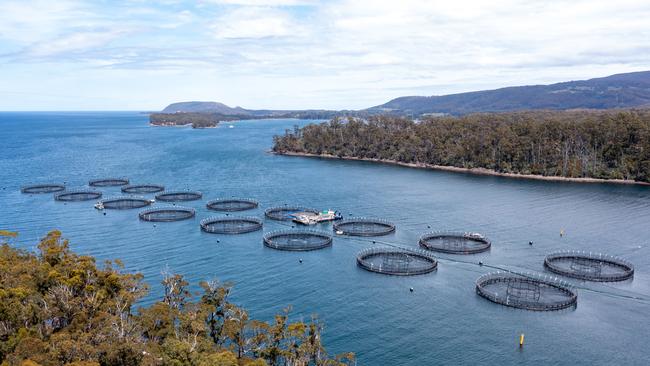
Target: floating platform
(297, 240)
(143, 188)
(529, 292)
(108, 182)
(42, 188)
(397, 261)
(589, 266)
(167, 214)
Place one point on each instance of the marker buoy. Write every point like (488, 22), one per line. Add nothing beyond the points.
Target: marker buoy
(411, 289)
(521, 340)
(480, 263)
(300, 260)
(530, 243)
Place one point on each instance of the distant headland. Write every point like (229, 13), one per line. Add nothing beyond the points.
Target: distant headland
(620, 91)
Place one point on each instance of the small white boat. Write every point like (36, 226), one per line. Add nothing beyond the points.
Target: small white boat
(99, 206)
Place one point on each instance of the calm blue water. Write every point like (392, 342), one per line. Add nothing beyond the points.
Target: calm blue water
(442, 322)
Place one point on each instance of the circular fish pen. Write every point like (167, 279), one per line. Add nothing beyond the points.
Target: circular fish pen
(123, 203)
(42, 188)
(74, 196)
(231, 225)
(397, 261)
(179, 196)
(363, 227)
(143, 188)
(167, 214)
(231, 204)
(286, 213)
(108, 182)
(589, 266)
(454, 242)
(297, 240)
(526, 291)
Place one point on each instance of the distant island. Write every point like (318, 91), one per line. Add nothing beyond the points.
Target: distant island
(620, 91)
(196, 120)
(583, 146)
(209, 114)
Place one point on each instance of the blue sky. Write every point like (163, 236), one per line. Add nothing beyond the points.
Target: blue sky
(143, 55)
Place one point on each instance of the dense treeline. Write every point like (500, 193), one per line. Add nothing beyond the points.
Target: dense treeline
(607, 145)
(60, 308)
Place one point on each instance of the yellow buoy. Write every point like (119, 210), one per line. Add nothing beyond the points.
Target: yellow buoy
(521, 340)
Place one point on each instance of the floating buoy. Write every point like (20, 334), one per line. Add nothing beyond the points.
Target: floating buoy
(218, 241)
(300, 260)
(530, 243)
(561, 232)
(411, 289)
(521, 340)
(428, 226)
(104, 213)
(480, 263)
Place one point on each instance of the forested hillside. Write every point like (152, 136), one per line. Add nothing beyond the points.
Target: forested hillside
(60, 308)
(606, 145)
(630, 90)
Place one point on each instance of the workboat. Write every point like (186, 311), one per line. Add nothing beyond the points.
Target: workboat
(310, 218)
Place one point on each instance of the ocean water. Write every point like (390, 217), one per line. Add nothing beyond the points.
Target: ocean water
(442, 321)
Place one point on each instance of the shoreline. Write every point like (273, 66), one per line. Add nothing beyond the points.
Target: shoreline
(476, 171)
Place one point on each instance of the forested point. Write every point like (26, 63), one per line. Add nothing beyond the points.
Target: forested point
(61, 308)
(574, 144)
(196, 120)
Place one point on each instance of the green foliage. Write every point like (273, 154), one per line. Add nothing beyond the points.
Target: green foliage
(60, 308)
(197, 120)
(607, 145)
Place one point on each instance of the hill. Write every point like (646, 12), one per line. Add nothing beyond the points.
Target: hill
(615, 91)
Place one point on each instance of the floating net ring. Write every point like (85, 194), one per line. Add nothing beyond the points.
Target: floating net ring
(231, 204)
(455, 242)
(589, 266)
(143, 188)
(73, 196)
(397, 261)
(231, 225)
(42, 188)
(179, 196)
(361, 226)
(167, 214)
(123, 203)
(108, 182)
(297, 240)
(286, 213)
(529, 292)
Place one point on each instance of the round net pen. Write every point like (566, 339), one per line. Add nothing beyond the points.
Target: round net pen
(73, 196)
(231, 225)
(42, 188)
(167, 214)
(397, 261)
(529, 292)
(455, 242)
(179, 196)
(143, 188)
(108, 182)
(361, 226)
(286, 213)
(589, 266)
(231, 204)
(123, 203)
(297, 240)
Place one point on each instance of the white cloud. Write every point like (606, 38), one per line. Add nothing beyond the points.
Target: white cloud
(255, 22)
(329, 54)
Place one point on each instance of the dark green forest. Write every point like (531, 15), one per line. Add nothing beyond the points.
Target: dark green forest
(61, 308)
(578, 144)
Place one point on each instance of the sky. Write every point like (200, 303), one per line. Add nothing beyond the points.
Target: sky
(297, 54)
